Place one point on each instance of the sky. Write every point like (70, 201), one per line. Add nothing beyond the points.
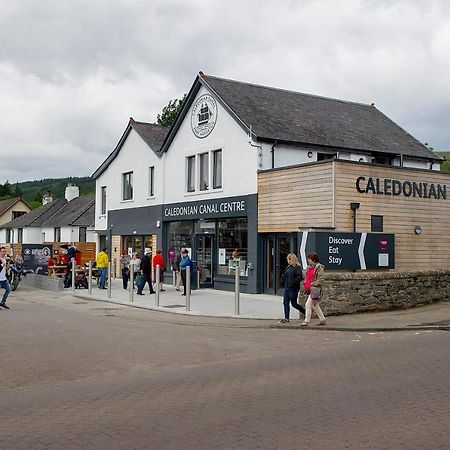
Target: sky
(73, 72)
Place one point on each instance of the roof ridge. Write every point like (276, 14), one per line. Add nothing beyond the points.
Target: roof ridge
(205, 77)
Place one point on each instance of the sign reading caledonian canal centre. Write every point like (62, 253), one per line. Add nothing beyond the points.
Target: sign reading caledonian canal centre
(388, 186)
(343, 251)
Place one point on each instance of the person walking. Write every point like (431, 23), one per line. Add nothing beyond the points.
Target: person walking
(102, 265)
(146, 269)
(158, 260)
(4, 283)
(185, 261)
(313, 286)
(176, 268)
(125, 262)
(291, 280)
(135, 265)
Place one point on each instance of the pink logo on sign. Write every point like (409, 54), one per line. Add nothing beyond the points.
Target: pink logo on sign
(383, 244)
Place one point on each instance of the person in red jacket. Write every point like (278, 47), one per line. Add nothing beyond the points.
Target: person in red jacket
(159, 260)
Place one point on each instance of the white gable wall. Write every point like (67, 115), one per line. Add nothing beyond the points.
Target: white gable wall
(239, 159)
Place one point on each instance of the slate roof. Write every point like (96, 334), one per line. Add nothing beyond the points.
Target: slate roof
(8, 203)
(152, 134)
(74, 211)
(303, 119)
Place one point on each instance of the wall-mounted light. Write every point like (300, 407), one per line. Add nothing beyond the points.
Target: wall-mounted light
(417, 229)
(310, 154)
(158, 223)
(354, 206)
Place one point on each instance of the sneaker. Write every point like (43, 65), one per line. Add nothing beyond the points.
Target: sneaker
(322, 323)
(139, 293)
(283, 321)
(4, 305)
(304, 324)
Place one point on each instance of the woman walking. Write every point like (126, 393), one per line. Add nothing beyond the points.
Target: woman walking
(125, 262)
(291, 279)
(158, 260)
(313, 286)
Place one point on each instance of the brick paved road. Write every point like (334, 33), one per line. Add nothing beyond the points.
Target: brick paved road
(79, 375)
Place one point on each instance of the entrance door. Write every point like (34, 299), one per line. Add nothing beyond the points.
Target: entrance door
(204, 256)
(277, 249)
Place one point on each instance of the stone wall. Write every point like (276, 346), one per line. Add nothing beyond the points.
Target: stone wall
(378, 291)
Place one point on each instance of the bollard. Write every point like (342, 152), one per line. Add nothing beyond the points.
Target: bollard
(174, 277)
(74, 268)
(188, 288)
(237, 292)
(198, 279)
(114, 270)
(157, 284)
(109, 281)
(131, 281)
(90, 278)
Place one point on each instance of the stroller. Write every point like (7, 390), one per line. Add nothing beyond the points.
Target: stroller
(81, 281)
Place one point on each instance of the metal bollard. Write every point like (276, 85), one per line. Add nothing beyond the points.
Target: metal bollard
(109, 281)
(188, 288)
(198, 279)
(157, 284)
(237, 286)
(114, 270)
(174, 277)
(131, 281)
(74, 263)
(90, 278)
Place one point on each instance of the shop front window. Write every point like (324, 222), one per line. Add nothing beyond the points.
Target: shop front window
(179, 235)
(232, 251)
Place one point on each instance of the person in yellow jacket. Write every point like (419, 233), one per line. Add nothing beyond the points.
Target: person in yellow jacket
(102, 265)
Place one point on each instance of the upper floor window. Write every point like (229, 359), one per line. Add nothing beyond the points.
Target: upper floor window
(217, 169)
(190, 172)
(20, 235)
(57, 234)
(204, 171)
(103, 200)
(151, 181)
(17, 214)
(127, 186)
(82, 234)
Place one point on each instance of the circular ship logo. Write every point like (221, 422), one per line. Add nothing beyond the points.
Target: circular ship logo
(204, 116)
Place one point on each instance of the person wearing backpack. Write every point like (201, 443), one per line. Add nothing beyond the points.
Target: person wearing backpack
(291, 280)
(185, 261)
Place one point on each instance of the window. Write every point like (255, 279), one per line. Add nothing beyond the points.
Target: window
(217, 169)
(20, 235)
(232, 246)
(376, 223)
(103, 200)
(82, 234)
(9, 236)
(151, 181)
(190, 168)
(127, 186)
(179, 235)
(204, 171)
(17, 214)
(57, 234)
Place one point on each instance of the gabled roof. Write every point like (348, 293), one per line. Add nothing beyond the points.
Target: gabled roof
(9, 203)
(77, 212)
(303, 119)
(36, 217)
(152, 134)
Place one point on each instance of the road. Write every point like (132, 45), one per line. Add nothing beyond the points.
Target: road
(90, 375)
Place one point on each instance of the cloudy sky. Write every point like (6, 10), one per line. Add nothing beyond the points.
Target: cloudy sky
(72, 72)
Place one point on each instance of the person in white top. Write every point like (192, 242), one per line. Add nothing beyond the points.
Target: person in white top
(4, 284)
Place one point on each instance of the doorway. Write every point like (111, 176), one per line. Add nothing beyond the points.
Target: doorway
(204, 252)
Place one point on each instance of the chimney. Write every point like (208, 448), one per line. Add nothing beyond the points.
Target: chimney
(47, 198)
(72, 192)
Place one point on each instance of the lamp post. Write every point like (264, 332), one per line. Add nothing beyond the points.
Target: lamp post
(354, 206)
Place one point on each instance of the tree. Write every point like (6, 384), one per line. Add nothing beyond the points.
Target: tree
(5, 190)
(17, 191)
(170, 112)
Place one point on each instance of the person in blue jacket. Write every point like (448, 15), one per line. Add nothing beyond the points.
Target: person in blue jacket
(185, 261)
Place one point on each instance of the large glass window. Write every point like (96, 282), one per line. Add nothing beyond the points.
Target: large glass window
(190, 173)
(232, 247)
(204, 171)
(179, 235)
(103, 200)
(217, 169)
(127, 186)
(151, 181)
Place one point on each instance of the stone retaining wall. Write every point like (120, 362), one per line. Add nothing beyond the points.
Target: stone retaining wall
(43, 282)
(375, 291)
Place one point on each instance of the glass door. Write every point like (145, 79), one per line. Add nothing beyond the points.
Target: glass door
(204, 258)
(277, 249)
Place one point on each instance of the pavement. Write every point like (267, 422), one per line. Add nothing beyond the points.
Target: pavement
(266, 310)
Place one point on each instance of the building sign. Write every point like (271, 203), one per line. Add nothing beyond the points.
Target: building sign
(343, 251)
(388, 186)
(203, 116)
(232, 207)
(35, 257)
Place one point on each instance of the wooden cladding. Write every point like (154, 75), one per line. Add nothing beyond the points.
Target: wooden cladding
(319, 196)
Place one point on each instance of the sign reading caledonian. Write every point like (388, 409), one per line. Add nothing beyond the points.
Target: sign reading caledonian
(388, 186)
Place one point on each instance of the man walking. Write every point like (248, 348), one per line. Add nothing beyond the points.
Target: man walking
(102, 265)
(146, 269)
(4, 284)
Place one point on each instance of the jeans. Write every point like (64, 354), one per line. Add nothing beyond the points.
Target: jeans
(145, 279)
(310, 305)
(125, 277)
(290, 297)
(5, 285)
(103, 272)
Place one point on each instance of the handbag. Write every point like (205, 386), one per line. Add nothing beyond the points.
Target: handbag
(315, 293)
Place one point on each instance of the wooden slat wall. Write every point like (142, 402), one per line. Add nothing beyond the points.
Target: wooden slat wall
(295, 197)
(431, 249)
